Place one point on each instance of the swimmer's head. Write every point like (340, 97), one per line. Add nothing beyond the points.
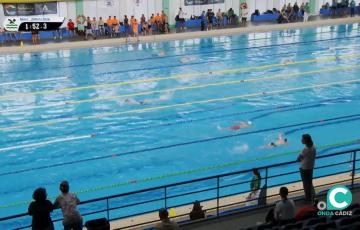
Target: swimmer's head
(272, 144)
(286, 140)
(249, 122)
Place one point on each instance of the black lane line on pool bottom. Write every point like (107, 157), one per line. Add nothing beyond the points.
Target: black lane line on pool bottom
(217, 44)
(189, 54)
(184, 120)
(182, 144)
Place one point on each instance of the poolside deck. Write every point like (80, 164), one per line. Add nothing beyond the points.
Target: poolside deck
(175, 36)
(185, 210)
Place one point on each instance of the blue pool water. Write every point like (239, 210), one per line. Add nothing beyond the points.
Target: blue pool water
(118, 119)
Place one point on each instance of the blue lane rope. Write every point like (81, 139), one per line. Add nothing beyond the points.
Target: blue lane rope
(180, 144)
(184, 121)
(218, 44)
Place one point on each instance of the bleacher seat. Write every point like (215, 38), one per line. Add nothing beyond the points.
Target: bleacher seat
(348, 221)
(325, 226)
(297, 225)
(315, 221)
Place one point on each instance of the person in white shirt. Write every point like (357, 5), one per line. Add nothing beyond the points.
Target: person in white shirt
(181, 16)
(244, 14)
(68, 203)
(284, 209)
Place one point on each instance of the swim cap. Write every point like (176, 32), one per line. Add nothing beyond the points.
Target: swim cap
(249, 122)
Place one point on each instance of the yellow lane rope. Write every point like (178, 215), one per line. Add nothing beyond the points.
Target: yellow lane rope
(156, 79)
(292, 75)
(145, 110)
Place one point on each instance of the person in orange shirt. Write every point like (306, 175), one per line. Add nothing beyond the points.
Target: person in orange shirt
(135, 27)
(116, 26)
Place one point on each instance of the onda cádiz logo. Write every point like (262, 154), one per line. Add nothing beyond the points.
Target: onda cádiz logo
(338, 198)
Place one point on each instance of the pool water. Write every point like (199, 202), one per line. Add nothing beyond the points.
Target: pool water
(117, 119)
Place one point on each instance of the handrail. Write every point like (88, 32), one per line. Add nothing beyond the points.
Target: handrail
(164, 188)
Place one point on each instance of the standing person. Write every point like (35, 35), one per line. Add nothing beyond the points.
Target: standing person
(307, 163)
(40, 210)
(35, 37)
(209, 16)
(254, 185)
(352, 8)
(296, 11)
(127, 27)
(68, 203)
(88, 29)
(101, 26)
(181, 16)
(306, 12)
(203, 20)
(219, 18)
(95, 28)
(165, 21)
(166, 223)
(197, 212)
(71, 28)
(135, 27)
(284, 209)
(244, 14)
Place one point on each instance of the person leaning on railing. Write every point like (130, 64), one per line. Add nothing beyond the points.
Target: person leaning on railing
(307, 163)
(40, 210)
(68, 203)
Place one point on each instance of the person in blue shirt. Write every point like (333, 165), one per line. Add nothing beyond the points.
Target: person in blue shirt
(203, 19)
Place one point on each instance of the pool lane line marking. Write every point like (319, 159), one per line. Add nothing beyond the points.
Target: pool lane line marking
(170, 146)
(292, 75)
(157, 79)
(275, 109)
(188, 172)
(180, 121)
(151, 109)
(46, 142)
(35, 81)
(249, 57)
(218, 44)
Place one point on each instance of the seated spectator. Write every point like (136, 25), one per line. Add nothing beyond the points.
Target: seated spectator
(71, 28)
(197, 212)
(40, 210)
(68, 203)
(88, 28)
(101, 26)
(283, 17)
(95, 28)
(307, 211)
(256, 13)
(284, 209)
(166, 223)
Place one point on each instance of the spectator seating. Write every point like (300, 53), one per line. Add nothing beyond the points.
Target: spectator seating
(319, 223)
(264, 17)
(338, 11)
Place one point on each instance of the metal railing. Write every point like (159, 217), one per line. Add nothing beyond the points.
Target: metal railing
(213, 188)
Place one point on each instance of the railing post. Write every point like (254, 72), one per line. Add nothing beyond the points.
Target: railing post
(165, 197)
(107, 208)
(353, 170)
(266, 184)
(217, 196)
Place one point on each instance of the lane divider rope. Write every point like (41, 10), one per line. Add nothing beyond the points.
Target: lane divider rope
(151, 109)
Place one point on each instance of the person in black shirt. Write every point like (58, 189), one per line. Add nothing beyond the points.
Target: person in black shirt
(40, 210)
(197, 212)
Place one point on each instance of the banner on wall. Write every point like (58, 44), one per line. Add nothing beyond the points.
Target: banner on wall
(109, 3)
(31, 23)
(24, 9)
(202, 2)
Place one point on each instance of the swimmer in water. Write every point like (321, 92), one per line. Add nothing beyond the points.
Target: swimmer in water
(238, 126)
(131, 101)
(187, 59)
(280, 141)
(287, 61)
